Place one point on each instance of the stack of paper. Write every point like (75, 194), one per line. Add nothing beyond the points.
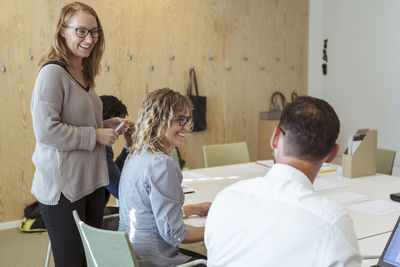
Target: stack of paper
(377, 207)
(346, 197)
(267, 163)
(327, 167)
(321, 184)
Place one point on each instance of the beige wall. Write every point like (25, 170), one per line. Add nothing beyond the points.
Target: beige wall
(150, 28)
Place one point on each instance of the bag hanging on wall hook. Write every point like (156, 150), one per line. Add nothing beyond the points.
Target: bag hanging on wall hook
(199, 103)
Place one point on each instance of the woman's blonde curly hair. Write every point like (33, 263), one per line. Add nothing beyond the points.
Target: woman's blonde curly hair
(59, 51)
(159, 110)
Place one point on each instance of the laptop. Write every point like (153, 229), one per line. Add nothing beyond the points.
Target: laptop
(391, 254)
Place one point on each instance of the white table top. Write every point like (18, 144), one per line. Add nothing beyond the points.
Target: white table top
(208, 182)
(373, 246)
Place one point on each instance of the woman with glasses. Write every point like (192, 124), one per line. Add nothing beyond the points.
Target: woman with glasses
(71, 167)
(150, 192)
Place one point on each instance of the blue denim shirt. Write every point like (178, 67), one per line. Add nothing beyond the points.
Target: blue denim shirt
(151, 199)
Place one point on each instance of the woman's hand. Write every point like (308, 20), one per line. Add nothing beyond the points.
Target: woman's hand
(112, 123)
(200, 209)
(129, 129)
(105, 136)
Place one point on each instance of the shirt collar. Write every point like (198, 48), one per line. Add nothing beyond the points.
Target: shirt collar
(284, 171)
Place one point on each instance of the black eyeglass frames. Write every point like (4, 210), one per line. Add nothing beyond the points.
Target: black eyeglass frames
(83, 32)
(183, 120)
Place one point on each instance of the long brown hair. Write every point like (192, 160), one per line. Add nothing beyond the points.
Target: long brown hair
(59, 51)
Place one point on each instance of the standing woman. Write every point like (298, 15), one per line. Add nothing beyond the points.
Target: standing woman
(150, 192)
(71, 167)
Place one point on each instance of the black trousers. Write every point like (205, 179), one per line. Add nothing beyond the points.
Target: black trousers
(65, 240)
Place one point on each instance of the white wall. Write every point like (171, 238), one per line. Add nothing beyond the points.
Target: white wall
(363, 80)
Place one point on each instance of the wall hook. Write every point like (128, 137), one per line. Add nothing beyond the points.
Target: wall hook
(245, 56)
(106, 66)
(30, 53)
(227, 65)
(291, 65)
(277, 56)
(191, 65)
(151, 66)
(3, 66)
(210, 55)
(261, 65)
(128, 54)
(171, 55)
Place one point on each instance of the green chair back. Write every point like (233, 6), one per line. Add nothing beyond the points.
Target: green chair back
(225, 154)
(104, 247)
(385, 161)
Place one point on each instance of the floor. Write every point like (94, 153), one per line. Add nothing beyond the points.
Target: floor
(19, 249)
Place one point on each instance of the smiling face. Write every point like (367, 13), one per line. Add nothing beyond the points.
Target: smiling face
(80, 47)
(175, 134)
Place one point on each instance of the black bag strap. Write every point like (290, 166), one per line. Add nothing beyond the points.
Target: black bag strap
(192, 79)
(274, 102)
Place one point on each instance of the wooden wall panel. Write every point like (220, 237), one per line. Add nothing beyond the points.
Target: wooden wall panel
(150, 29)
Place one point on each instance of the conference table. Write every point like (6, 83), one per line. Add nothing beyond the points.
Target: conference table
(372, 228)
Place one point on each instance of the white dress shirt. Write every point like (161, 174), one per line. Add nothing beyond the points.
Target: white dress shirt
(278, 220)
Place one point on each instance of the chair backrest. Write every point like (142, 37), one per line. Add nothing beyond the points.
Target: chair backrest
(225, 154)
(385, 161)
(104, 247)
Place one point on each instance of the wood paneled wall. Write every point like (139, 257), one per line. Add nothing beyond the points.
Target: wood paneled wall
(150, 29)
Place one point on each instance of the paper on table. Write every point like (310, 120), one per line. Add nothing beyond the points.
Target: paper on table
(346, 197)
(321, 184)
(192, 176)
(267, 163)
(196, 221)
(377, 207)
(327, 167)
(250, 167)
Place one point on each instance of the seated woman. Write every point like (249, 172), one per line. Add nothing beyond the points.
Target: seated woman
(150, 193)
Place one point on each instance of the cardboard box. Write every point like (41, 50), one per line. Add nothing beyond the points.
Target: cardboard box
(363, 161)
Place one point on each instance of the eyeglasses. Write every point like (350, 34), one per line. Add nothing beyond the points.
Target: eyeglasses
(83, 32)
(183, 120)
(282, 131)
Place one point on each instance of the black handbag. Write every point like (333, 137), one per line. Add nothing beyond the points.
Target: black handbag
(199, 104)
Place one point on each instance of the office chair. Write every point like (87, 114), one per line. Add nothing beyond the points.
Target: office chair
(110, 248)
(385, 161)
(225, 154)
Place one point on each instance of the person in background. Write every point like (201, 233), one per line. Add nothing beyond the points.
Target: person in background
(278, 220)
(71, 167)
(150, 192)
(113, 107)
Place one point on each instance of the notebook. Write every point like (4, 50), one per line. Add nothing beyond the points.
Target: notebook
(391, 254)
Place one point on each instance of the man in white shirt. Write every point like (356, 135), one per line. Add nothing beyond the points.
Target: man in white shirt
(278, 220)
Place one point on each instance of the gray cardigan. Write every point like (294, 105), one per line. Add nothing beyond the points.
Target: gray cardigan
(67, 158)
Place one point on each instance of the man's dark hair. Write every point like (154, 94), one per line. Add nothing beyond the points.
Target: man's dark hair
(310, 127)
(113, 107)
